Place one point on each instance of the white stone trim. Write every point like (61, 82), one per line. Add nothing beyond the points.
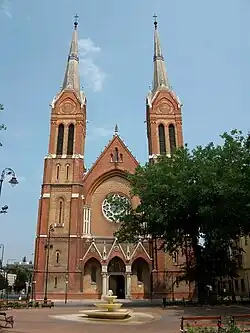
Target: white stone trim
(87, 236)
(75, 195)
(96, 249)
(143, 248)
(64, 156)
(50, 156)
(42, 236)
(104, 268)
(77, 156)
(128, 269)
(59, 225)
(83, 197)
(72, 236)
(46, 195)
(86, 221)
(157, 155)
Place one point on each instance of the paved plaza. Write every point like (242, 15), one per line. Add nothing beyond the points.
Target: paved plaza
(165, 320)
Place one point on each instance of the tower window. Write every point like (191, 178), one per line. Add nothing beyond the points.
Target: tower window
(172, 138)
(71, 131)
(121, 158)
(116, 154)
(162, 141)
(111, 158)
(55, 282)
(57, 171)
(60, 215)
(67, 172)
(57, 257)
(60, 135)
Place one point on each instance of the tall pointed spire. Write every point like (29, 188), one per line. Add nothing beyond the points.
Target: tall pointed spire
(71, 78)
(160, 75)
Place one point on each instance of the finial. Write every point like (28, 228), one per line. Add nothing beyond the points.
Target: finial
(155, 21)
(76, 21)
(116, 129)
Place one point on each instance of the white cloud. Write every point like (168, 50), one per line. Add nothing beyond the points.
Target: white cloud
(97, 132)
(92, 74)
(5, 6)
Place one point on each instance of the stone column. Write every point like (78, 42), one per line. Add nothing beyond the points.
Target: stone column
(104, 280)
(128, 281)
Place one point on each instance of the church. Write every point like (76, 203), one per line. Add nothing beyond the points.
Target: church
(76, 253)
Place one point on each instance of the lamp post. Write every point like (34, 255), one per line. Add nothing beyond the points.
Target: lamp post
(2, 254)
(8, 172)
(33, 296)
(66, 289)
(7, 272)
(47, 248)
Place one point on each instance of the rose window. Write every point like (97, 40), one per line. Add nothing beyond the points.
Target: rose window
(112, 210)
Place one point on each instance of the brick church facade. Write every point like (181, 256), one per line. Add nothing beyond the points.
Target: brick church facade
(76, 254)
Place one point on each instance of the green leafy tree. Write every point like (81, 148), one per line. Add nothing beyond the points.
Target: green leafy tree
(22, 276)
(3, 282)
(203, 192)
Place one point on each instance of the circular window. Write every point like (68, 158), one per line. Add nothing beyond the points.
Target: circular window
(110, 209)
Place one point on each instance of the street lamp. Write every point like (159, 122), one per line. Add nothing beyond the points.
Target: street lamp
(33, 297)
(66, 289)
(47, 248)
(4, 210)
(8, 172)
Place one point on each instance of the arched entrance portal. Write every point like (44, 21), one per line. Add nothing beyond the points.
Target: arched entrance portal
(116, 271)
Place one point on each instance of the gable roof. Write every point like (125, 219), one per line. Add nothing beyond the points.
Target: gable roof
(116, 140)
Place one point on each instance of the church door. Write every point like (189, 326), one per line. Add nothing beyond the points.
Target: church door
(116, 270)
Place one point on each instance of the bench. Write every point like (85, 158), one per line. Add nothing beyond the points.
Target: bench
(7, 321)
(201, 321)
(45, 304)
(239, 320)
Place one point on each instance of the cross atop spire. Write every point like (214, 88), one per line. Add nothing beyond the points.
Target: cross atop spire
(160, 75)
(155, 21)
(76, 21)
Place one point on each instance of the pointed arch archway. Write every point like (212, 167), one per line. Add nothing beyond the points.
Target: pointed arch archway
(116, 275)
(140, 278)
(92, 278)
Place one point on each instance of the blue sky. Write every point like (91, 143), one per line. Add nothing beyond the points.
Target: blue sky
(206, 45)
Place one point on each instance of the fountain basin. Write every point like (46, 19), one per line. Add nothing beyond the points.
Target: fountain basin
(97, 314)
(110, 298)
(110, 307)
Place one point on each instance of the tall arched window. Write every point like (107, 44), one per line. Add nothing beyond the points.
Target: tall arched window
(172, 138)
(60, 213)
(162, 140)
(55, 282)
(57, 257)
(57, 171)
(116, 154)
(71, 131)
(60, 135)
(67, 172)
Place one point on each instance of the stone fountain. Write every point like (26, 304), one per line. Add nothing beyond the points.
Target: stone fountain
(108, 310)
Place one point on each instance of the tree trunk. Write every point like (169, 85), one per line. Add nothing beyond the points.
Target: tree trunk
(202, 293)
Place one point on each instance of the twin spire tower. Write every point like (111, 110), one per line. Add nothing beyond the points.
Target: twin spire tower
(74, 222)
